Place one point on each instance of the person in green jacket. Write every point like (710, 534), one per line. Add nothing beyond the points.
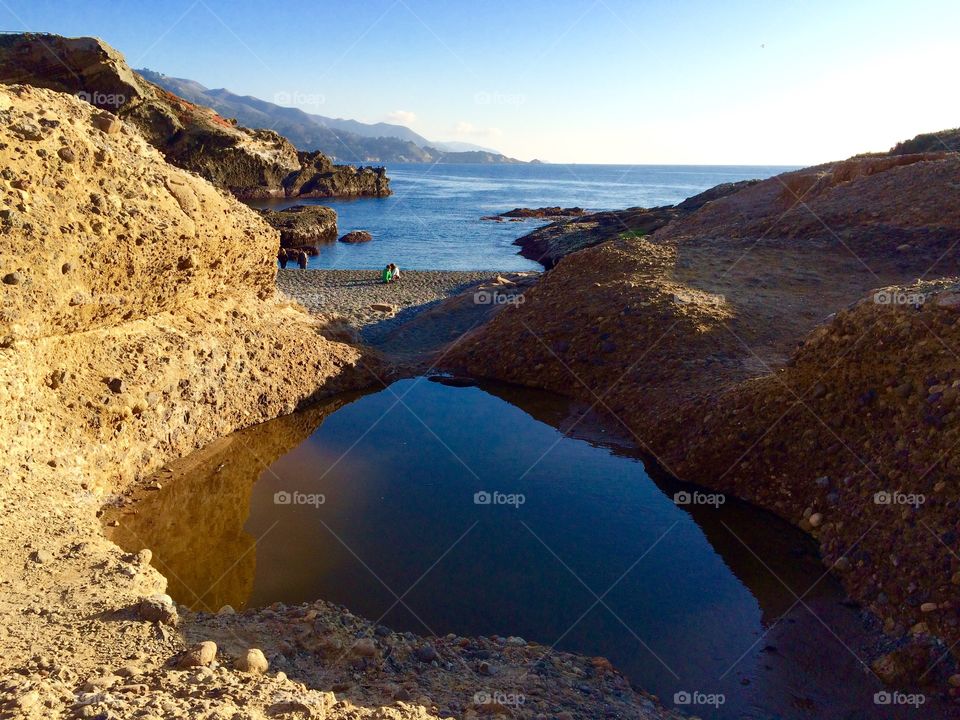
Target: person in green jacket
(386, 275)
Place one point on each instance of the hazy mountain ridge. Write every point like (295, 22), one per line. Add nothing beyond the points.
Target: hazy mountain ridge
(343, 140)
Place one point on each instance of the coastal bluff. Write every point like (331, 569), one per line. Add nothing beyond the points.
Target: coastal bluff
(250, 163)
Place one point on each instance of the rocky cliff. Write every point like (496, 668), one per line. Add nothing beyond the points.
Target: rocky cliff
(249, 163)
(689, 338)
(139, 322)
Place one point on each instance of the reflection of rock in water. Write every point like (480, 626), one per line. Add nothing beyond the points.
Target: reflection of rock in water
(195, 524)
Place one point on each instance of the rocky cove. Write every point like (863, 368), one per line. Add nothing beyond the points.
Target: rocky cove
(757, 346)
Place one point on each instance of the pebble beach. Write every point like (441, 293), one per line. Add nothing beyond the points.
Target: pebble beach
(361, 298)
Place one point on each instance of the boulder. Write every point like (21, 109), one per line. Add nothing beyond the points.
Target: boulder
(200, 655)
(303, 226)
(253, 661)
(159, 608)
(357, 236)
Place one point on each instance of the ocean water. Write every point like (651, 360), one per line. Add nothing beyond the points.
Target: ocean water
(432, 221)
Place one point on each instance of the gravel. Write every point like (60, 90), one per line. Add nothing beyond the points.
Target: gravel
(351, 293)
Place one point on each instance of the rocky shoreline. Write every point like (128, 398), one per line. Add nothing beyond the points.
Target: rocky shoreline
(251, 164)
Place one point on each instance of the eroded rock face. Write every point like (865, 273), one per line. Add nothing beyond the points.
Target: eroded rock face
(145, 239)
(249, 163)
(177, 338)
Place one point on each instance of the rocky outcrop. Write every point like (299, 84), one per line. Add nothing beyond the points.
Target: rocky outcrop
(318, 177)
(548, 244)
(538, 213)
(303, 226)
(688, 337)
(249, 163)
(943, 141)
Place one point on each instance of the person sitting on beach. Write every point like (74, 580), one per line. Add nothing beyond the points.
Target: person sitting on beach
(394, 272)
(387, 274)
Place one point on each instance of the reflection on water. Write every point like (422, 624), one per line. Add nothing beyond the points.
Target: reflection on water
(385, 495)
(195, 525)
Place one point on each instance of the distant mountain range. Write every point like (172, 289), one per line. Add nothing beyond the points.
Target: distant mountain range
(344, 140)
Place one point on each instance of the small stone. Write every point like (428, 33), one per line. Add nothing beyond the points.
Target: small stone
(383, 307)
(954, 680)
(815, 520)
(159, 608)
(99, 683)
(42, 556)
(66, 154)
(144, 556)
(66, 268)
(107, 123)
(28, 701)
(226, 610)
(254, 661)
(200, 655)
(13, 278)
(426, 653)
(115, 385)
(928, 607)
(289, 707)
(364, 647)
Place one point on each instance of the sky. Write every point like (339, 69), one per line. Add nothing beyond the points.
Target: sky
(792, 82)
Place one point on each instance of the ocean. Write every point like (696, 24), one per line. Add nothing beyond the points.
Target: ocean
(432, 221)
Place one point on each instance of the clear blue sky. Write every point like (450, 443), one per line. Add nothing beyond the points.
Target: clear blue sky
(608, 81)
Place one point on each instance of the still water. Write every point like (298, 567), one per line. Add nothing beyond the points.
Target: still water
(490, 512)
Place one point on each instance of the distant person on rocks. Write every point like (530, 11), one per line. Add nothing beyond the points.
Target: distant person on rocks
(283, 257)
(302, 260)
(394, 272)
(387, 274)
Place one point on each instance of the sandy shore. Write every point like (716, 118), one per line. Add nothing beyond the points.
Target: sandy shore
(351, 293)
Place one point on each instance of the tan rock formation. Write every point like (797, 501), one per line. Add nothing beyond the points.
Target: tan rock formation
(688, 338)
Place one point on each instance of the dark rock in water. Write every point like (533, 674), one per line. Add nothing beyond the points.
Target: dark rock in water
(454, 381)
(357, 236)
(544, 212)
(303, 226)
